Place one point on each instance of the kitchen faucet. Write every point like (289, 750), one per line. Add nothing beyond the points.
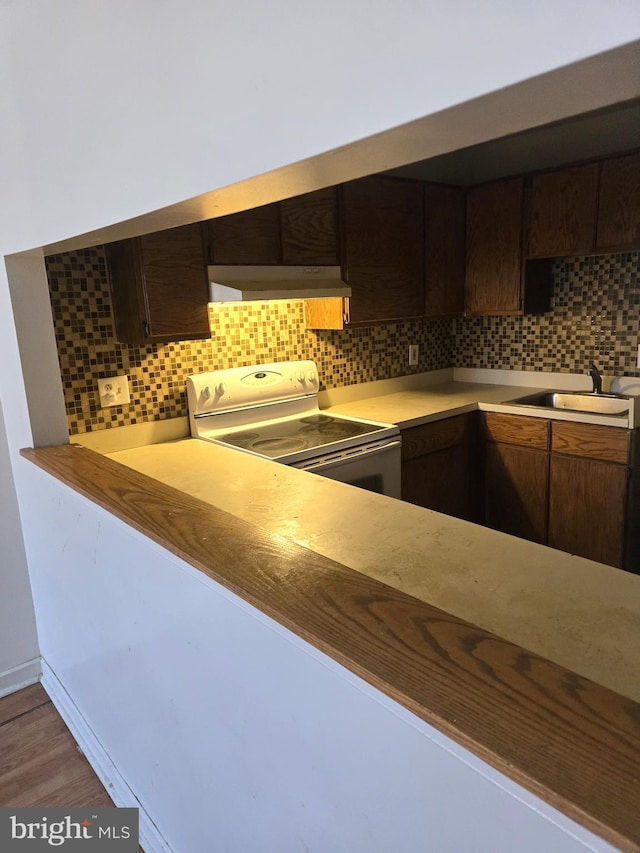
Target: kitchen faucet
(595, 375)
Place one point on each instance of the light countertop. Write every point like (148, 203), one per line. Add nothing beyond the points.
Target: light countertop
(415, 406)
(580, 614)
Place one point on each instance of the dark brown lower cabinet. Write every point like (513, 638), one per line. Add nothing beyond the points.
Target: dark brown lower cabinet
(587, 508)
(438, 466)
(572, 486)
(592, 491)
(516, 485)
(516, 474)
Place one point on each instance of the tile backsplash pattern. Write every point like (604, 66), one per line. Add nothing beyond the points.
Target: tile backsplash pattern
(241, 334)
(594, 316)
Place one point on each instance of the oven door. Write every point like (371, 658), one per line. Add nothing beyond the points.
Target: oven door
(374, 466)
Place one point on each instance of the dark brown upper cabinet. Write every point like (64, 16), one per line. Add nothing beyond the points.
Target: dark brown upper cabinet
(619, 208)
(309, 228)
(159, 286)
(444, 250)
(250, 237)
(383, 248)
(494, 248)
(562, 209)
(301, 230)
(382, 240)
(499, 281)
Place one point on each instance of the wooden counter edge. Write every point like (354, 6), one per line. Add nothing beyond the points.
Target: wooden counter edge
(568, 740)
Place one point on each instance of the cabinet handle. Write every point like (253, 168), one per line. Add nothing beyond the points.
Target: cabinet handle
(147, 328)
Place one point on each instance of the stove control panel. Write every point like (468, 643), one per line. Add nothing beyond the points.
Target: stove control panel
(240, 388)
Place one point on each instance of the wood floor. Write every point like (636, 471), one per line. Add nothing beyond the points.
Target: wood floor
(40, 764)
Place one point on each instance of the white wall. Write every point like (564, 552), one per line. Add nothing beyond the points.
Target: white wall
(111, 109)
(19, 656)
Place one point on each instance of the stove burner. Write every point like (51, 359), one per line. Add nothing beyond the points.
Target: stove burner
(317, 419)
(272, 446)
(332, 428)
(241, 439)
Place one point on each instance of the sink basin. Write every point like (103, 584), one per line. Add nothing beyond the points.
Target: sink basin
(573, 401)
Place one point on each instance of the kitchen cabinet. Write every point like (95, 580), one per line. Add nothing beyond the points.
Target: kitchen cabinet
(516, 474)
(493, 248)
(562, 211)
(573, 486)
(498, 280)
(444, 250)
(382, 239)
(300, 230)
(588, 486)
(585, 208)
(309, 228)
(159, 286)
(438, 465)
(619, 208)
(250, 237)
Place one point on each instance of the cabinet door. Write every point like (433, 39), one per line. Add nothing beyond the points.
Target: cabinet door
(250, 237)
(438, 481)
(383, 234)
(619, 209)
(562, 212)
(175, 283)
(516, 482)
(587, 500)
(309, 227)
(159, 286)
(444, 246)
(494, 248)
(439, 466)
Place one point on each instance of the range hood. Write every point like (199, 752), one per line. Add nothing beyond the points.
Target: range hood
(242, 283)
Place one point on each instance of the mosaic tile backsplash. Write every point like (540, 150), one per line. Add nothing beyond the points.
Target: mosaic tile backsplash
(242, 334)
(595, 315)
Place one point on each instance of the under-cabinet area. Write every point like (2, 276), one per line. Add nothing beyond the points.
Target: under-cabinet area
(409, 249)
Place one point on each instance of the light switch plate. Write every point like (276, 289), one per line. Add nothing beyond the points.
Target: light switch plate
(114, 391)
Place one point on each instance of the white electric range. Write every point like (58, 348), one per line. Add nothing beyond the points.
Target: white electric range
(271, 410)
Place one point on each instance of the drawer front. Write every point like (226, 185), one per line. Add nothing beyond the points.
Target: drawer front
(434, 436)
(516, 429)
(592, 441)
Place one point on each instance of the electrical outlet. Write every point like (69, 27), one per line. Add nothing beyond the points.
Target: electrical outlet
(114, 391)
(638, 361)
(414, 353)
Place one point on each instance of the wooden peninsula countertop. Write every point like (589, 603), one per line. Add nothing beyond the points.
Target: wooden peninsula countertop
(524, 655)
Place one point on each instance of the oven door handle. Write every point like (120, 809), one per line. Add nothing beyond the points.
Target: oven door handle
(348, 457)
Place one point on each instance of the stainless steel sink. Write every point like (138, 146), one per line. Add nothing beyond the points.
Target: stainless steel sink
(573, 401)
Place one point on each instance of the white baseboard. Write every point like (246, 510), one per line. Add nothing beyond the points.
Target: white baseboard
(150, 839)
(20, 676)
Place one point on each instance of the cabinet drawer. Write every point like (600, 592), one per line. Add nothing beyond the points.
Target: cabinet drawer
(609, 444)
(434, 436)
(516, 429)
